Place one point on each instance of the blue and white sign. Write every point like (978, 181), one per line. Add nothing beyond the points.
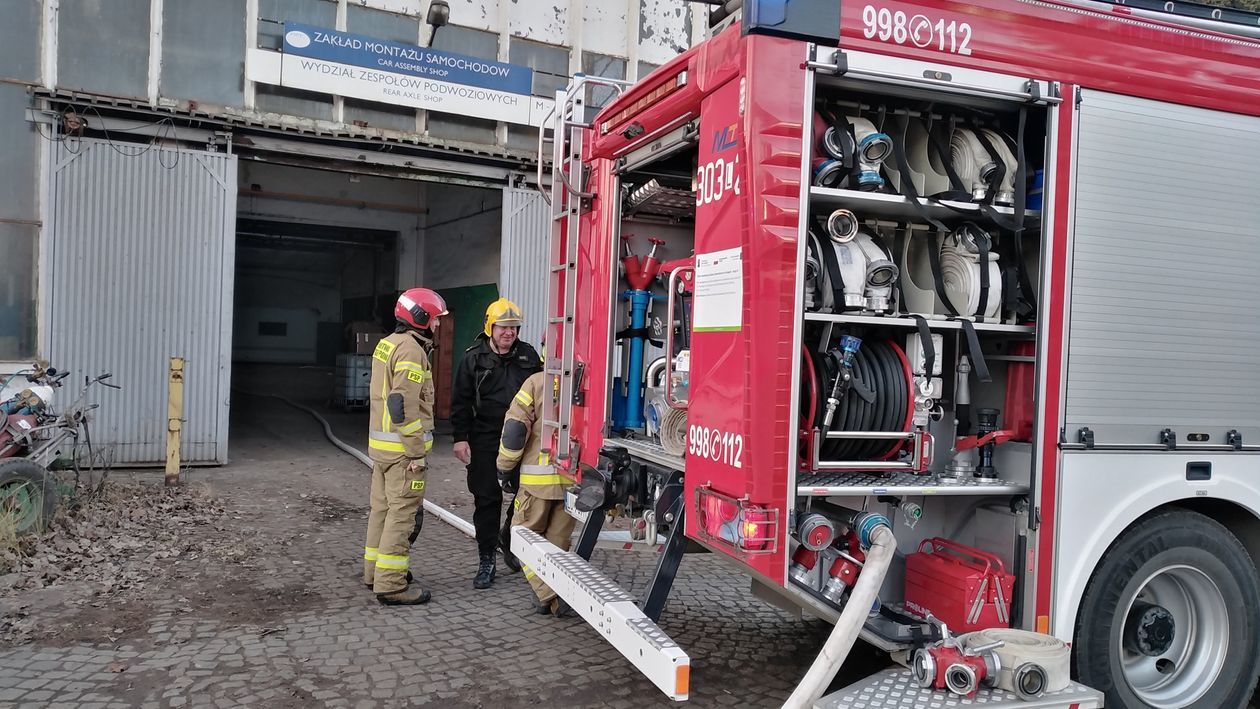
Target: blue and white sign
(358, 50)
(356, 66)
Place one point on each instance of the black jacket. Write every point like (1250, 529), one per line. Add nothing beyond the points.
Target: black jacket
(485, 383)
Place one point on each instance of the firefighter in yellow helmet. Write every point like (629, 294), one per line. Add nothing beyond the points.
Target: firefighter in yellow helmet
(400, 435)
(524, 467)
(489, 375)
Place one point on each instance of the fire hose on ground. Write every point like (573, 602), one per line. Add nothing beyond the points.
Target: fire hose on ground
(875, 531)
(443, 514)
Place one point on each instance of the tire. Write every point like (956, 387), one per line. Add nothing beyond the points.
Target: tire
(1197, 571)
(28, 494)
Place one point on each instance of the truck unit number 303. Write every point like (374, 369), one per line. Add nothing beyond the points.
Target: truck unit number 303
(710, 443)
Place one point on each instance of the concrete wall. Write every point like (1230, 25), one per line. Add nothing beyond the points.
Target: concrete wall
(461, 241)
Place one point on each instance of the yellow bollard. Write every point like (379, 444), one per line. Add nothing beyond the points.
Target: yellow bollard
(174, 419)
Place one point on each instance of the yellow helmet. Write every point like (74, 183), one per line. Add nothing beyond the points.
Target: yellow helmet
(503, 312)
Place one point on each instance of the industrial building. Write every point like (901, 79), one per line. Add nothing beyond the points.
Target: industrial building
(248, 182)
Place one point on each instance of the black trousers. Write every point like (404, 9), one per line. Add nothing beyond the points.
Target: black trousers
(483, 483)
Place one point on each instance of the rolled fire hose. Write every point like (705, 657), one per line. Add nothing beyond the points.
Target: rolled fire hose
(834, 652)
(443, 514)
(673, 432)
(1032, 663)
(960, 272)
(975, 166)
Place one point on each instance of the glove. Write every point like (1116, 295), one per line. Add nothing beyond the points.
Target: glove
(510, 480)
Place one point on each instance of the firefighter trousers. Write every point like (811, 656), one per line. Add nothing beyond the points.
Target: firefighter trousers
(548, 518)
(393, 524)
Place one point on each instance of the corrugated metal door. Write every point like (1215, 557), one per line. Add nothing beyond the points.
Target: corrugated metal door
(523, 261)
(1166, 267)
(140, 265)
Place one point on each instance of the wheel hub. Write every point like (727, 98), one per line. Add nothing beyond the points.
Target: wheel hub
(1149, 630)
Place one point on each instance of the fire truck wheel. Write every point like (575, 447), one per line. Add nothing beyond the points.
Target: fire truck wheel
(28, 496)
(1171, 617)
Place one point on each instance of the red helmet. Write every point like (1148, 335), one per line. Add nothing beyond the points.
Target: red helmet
(418, 306)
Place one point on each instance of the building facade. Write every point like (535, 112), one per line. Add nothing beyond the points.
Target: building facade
(247, 181)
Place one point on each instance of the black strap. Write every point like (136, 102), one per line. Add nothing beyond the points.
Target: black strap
(958, 191)
(982, 243)
(642, 332)
(1021, 195)
(934, 260)
(999, 173)
(929, 349)
(833, 272)
(900, 234)
(977, 356)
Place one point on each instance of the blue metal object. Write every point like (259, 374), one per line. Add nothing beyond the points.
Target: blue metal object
(865, 525)
(808, 20)
(632, 417)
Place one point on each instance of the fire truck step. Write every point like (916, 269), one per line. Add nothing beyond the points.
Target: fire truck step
(896, 689)
(827, 484)
(609, 609)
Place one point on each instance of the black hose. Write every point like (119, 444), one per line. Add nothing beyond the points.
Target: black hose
(878, 368)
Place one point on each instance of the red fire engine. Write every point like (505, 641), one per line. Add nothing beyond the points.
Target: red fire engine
(979, 276)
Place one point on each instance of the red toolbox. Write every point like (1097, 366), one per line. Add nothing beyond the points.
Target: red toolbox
(967, 588)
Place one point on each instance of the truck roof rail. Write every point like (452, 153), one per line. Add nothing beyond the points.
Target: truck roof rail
(1200, 15)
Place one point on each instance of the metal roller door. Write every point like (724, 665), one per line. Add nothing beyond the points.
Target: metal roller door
(1164, 329)
(139, 263)
(523, 258)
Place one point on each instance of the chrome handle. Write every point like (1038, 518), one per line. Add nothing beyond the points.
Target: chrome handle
(669, 339)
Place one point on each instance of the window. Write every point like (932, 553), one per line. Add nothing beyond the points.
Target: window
(551, 73)
(395, 28)
(606, 67)
(19, 232)
(476, 43)
(198, 57)
(104, 47)
(271, 16)
(272, 13)
(19, 52)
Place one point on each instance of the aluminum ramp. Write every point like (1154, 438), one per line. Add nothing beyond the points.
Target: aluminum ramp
(609, 609)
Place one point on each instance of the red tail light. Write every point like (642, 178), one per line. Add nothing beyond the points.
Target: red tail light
(737, 523)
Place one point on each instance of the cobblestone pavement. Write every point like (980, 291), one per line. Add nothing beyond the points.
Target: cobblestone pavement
(293, 626)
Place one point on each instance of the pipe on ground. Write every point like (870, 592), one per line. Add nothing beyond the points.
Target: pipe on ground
(443, 514)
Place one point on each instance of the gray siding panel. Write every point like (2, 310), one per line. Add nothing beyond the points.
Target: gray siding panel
(141, 261)
(1164, 328)
(524, 260)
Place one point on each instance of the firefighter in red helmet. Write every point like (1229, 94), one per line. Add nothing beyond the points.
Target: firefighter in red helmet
(400, 435)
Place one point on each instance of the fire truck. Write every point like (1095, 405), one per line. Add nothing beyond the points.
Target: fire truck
(931, 317)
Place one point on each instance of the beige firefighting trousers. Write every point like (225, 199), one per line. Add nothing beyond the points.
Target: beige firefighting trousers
(548, 518)
(397, 499)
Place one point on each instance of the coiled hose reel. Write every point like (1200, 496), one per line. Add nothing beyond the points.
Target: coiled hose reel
(877, 399)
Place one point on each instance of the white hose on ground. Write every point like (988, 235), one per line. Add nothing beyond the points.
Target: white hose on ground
(856, 609)
(443, 514)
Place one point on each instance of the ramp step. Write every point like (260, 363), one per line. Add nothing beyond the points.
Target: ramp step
(609, 609)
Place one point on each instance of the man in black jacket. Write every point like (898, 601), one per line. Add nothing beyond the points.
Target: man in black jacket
(489, 375)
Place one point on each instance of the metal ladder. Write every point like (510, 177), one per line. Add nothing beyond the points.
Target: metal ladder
(566, 197)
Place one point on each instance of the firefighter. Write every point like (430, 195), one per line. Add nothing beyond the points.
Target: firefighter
(524, 468)
(400, 435)
(490, 373)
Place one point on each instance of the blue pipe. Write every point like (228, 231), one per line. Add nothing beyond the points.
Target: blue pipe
(633, 416)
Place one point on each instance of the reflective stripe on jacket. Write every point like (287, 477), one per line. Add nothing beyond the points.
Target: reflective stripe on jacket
(402, 396)
(538, 477)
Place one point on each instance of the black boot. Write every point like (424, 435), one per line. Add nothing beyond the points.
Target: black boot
(510, 560)
(485, 571)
